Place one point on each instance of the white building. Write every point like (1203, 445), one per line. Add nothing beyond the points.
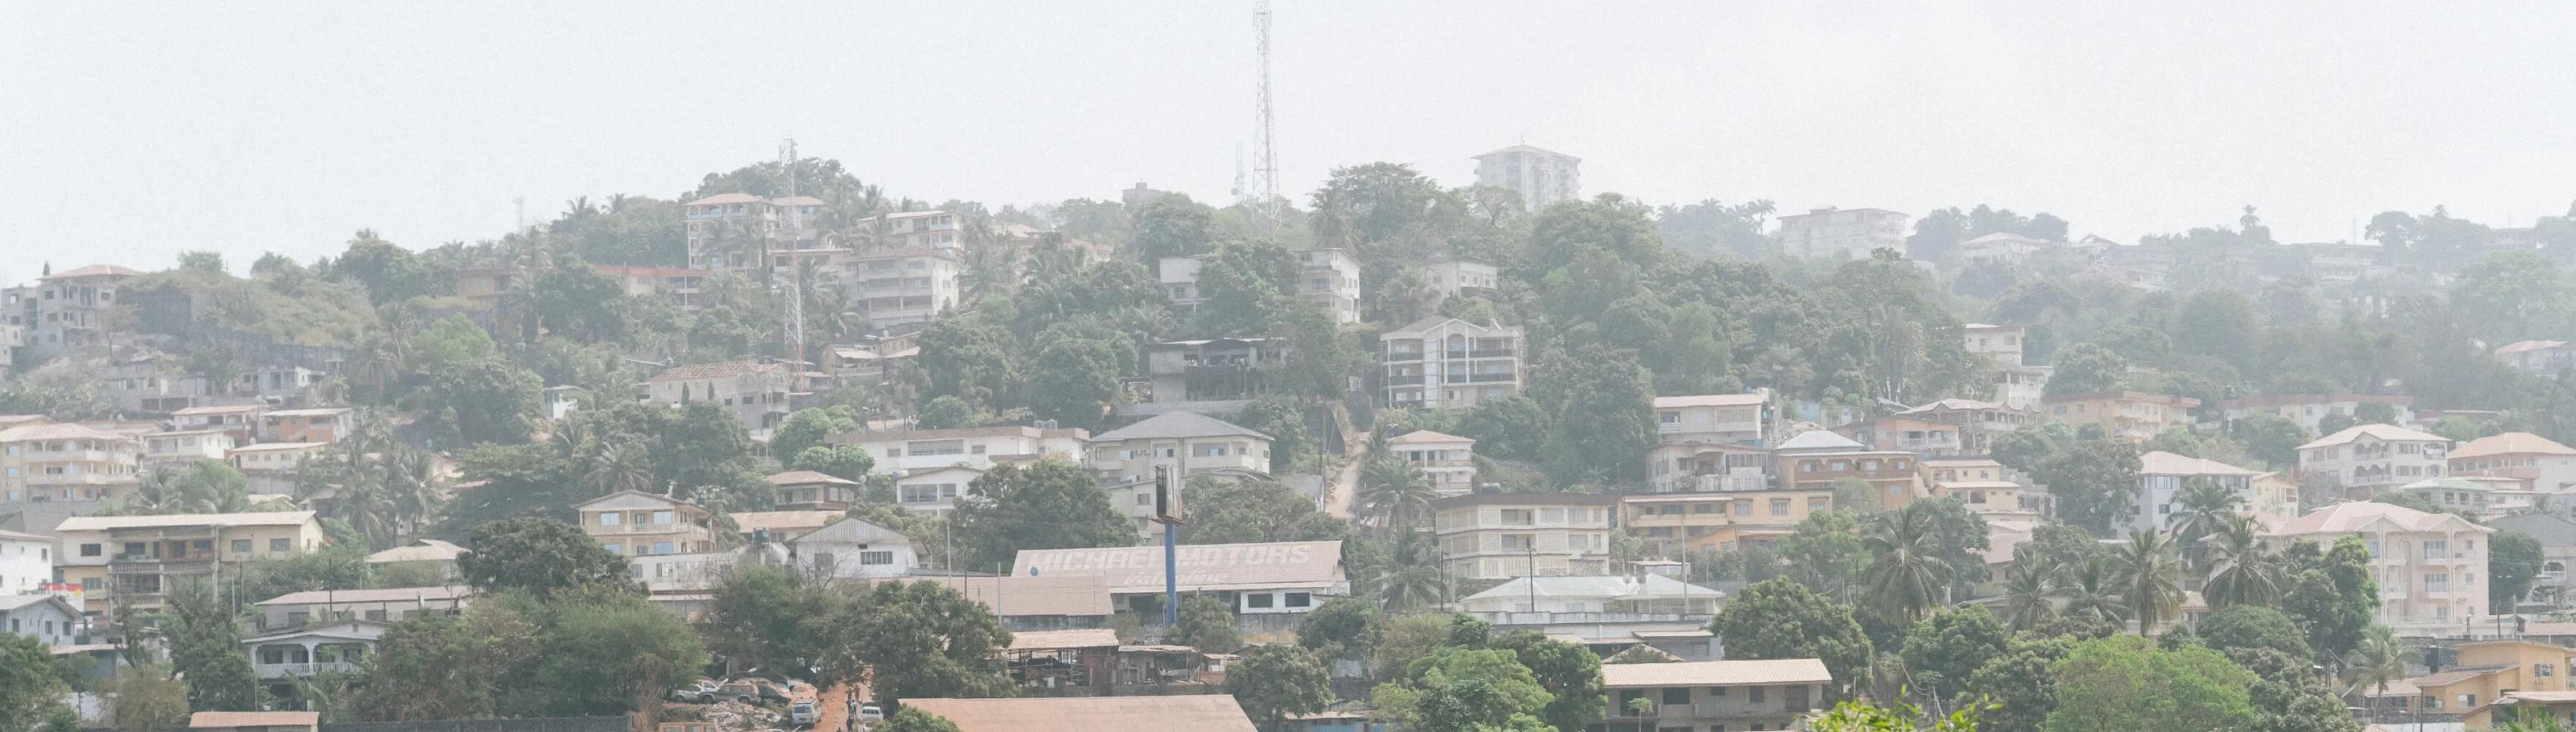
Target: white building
(2428, 563)
(2309, 410)
(756, 393)
(2162, 475)
(382, 605)
(2000, 344)
(2533, 462)
(1591, 597)
(181, 448)
(1331, 279)
(1453, 277)
(1448, 363)
(1715, 695)
(1738, 419)
(2368, 457)
(1506, 535)
(2000, 247)
(47, 618)
(905, 287)
(280, 658)
(26, 562)
(1188, 442)
(65, 310)
(924, 229)
(1266, 578)
(855, 549)
(1179, 278)
(1849, 233)
(1448, 461)
(271, 466)
(935, 490)
(1541, 177)
(743, 233)
(907, 452)
(2538, 358)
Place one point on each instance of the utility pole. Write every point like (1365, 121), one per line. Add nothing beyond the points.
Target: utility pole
(1531, 548)
(1266, 177)
(1167, 511)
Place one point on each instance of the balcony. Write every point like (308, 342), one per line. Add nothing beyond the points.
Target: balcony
(273, 671)
(1404, 357)
(1408, 380)
(1493, 353)
(1489, 378)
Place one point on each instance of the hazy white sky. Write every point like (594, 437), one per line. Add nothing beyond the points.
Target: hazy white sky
(128, 134)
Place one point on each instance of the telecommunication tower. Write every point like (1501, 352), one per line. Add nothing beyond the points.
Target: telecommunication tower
(1265, 177)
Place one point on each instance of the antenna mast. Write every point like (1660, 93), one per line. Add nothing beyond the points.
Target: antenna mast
(1266, 177)
(795, 287)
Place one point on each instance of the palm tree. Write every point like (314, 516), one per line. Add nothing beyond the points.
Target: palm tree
(2198, 508)
(2092, 591)
(2026, 594)
(1395, 492)
(2242, 571)
(620, 467)
(2149, 572)
(2375, 661)
(1905, 575)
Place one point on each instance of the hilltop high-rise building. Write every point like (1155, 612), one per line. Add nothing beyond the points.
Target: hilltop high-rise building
(1541, 177)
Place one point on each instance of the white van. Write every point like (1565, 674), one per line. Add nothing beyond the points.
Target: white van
(803, 713)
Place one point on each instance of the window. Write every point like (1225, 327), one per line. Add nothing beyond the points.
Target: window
(1297, 599)
(1552, 515)
(1717, 691)
(611, 518)
(281, 544)
(1519, 542)
(937, 447)
(2544, 670)
(613, 548)
(1779, 507)
(663, 547)
(1257, 600)
(1753, 694)
(883, 557)
(1677, 695)
(662, 517)
(89, 550)
(241, 546)
(1518, 517)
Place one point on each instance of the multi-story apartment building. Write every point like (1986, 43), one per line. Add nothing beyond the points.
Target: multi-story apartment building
(1979, 422)
(1448, 363)
(2000, 344)
(905, 288)
(382, 605)
(905, 452)
(2127, 415)
(1719, 521)
(1851, 233)
(1454, 277)
(166, 450)
(635, 524)
(1331, 279)
(2532, 461)
(132, 562)
(2000, 247)
(2538, 358)
(679, 285)
(66, 310)
(740, 232)
(1986, 487)
(2311, 409)
(1448, 461)
(271, 466)
(2488, 671)
(2162, 476)
(1216, 375)
(144, 385)
(1179, 278)
(1714, 695)
(26, 562)
(2427, 563)
(1819, 459)
(241, 421)
(806, 490)
(1187, 442)
(924, 229)
(67, 462)
(1486, 536)
(1735, 419)
(2369, 457)
(12, 336)
(325, 425)
(1541, 177)
(2021, 387)
(756, 393)
(1899, 433)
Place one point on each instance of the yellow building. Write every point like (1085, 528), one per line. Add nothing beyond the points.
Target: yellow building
(1721, 521)
(125, 562)
(2128, 415)
(1506, 535)
(2488, 670)
(2522, 705)
(67, 462)
(635, 523)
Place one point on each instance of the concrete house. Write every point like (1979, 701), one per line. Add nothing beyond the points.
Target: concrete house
(1845, 233)
(1710, 442)
(1816, 460)
(756, 393)
(2128, 415)
(324, 425)
(1714, 695)
(1331, 279)
(2370, 457)
(1448, 461)
(1538, 600)
(905, 452)
(1188, 442)
(67, 462)
(806, 490)
(1217, 375)
(856, 549)
(1979, 422)
(2309, 410)
(906, 288)
(2428, 563)
(1453, 277)
(2533, 462)
(1505, 535)
(2162, 476)
(1447, 363)
(382, 605)
(26, 562)
(1273, 578)
(2538, 358)
(1723, 520)
(131, 562)
(1541, 177)
(635, 523)
(49, 619)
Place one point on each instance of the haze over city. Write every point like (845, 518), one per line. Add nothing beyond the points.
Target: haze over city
(287, 126)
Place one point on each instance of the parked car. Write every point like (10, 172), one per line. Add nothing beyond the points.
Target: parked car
(774, 691)
(803, 713)
(741, 691)
(700, 691)
(871, 712)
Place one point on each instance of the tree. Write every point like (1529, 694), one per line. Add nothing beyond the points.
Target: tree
(807, 428)
(1274, 681)
(2152, 578)
(2252, 627)
(946, 412)
(2513, 560)
(2374, 663)
(603, 651)
(2271, 438)
(1943, 651)
(1395, 492)
(2198, 508)
(29, 687)
(542, 556)
(1462, 689)
(916, 640)
(1238, 511)
(2027, 588)
(2124, 683)
(1826, 553)
(1861, 716)
(1243, 284)
(1285, 423)
(1173, 226)
(1207, 624)
(2085, 368)
(205, 649)
(1049, 504)
(846, 462)
(1602, 412)
(1079, 384)
(1907, 574)
(1344, 627)
(446, 667)
(2021, 683)
(973, 360)
(2242, 570)
(1570, 673)
(144, 698)
(1778, 618)
(2332, 594)
(487, 399)
(915, 720)
(2095, 481)
(1511, 428)
(768, 617)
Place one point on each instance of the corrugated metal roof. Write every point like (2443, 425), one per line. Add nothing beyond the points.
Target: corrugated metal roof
(1187, 713)
(1203, 567)
(1716, 673)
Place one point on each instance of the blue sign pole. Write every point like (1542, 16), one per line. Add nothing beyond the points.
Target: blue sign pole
(1171, 575)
